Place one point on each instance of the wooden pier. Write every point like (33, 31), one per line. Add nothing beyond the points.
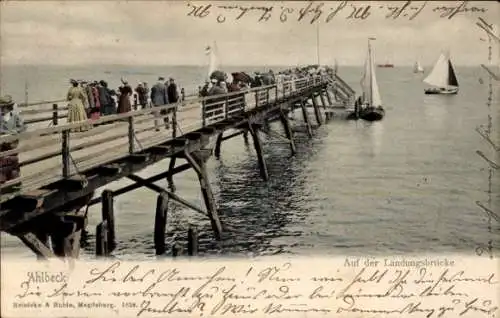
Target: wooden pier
(63, 165)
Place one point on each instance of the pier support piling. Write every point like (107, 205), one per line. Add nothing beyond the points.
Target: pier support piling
(306, 118)
(317, 112)
(198, 162)
(192, 242)
(170, 175)
(288, 131)
(109, 216)
(258, 150)
(218, 144)
(161, 223)
(101, 239)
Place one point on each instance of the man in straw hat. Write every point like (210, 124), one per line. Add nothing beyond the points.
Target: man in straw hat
(10, 124)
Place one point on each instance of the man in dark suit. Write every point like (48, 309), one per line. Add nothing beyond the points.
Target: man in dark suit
(159, 98)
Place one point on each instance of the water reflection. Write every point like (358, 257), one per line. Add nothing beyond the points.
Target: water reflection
(435, 110)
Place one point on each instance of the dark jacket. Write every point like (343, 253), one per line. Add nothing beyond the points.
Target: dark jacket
(159, 94)
(172, 94)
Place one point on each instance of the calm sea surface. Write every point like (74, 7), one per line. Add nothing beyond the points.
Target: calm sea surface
(405, 185)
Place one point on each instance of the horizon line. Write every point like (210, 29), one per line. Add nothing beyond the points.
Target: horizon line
(202, 65)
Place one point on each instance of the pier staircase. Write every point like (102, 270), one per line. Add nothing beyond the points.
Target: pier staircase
(343, 93)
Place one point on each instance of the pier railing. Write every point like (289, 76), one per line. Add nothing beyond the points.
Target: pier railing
(61, 152)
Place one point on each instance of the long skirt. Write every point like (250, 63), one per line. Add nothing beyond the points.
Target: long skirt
(9, 165)
(124, 105)
(76, 113)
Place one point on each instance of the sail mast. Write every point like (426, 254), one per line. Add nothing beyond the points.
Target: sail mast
(317, 42)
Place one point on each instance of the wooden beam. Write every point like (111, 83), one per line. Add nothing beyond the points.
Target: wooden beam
(159, 189)
(40, 249)
(260, 156)
(206, 191)
(317, 112)
(306, 118)
(288, 131)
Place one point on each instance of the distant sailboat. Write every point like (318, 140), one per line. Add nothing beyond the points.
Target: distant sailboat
(213, 63)
(442, 77)
(417, 68)
(371, 103)
(335, 66)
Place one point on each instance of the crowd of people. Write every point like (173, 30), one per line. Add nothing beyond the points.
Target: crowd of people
(95, 99)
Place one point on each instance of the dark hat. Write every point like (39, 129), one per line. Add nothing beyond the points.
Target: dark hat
(102, 82)
(161, 78)
(6, 101)
(171, 79)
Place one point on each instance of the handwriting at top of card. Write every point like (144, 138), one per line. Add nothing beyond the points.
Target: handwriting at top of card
(344, 287)
(325, 12)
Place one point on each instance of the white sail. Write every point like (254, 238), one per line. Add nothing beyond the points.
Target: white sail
(417, 68)
(439, 74)
(369, 85)
(213, 63)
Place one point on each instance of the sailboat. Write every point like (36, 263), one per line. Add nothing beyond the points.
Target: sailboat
(213, 63)
(417, 68)
(442, 77)
(371, 103)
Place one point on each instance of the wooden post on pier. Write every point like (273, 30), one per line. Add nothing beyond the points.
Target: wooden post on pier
(101, 239)
(109, 216)
(317, 112)
(198, 161)
(218, 144)
(161, 223)
(55, 117)
(323, 102)
(192, 242)
(306, 118)
(288, 131)
(258, 150)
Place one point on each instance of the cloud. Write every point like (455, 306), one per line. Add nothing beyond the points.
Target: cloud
(152, 32)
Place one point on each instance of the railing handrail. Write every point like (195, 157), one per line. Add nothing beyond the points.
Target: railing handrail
(135, 113)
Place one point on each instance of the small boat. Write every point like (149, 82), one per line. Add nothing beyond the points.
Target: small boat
(442, 78)
(371, 104)
(386, 65)
(417, 68)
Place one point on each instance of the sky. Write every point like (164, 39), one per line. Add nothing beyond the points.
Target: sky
(161, 32)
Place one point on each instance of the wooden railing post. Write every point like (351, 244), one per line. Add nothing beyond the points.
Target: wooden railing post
(267, 95)
(203, 118)
(276, 90)
(257, 98)
(174, 122)
(55, 117)
(131, 135)
(65, 153)
(226, 107)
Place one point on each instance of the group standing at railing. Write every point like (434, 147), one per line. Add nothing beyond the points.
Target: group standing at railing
(91, 100)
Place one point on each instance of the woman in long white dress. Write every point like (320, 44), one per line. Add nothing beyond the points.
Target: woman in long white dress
(76, 108)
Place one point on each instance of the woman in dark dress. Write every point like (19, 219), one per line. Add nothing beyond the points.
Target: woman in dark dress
(124, 104)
